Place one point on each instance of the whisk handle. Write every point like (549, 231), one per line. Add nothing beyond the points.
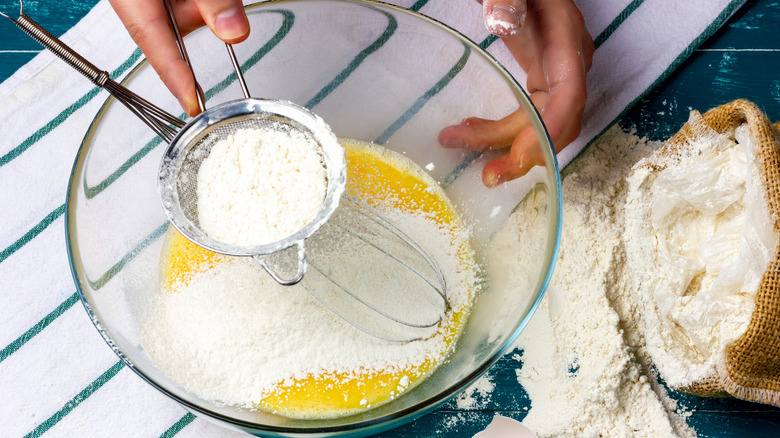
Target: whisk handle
(38, 33)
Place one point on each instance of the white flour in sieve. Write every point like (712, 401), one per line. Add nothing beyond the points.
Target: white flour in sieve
(259, 186)
(585, 367)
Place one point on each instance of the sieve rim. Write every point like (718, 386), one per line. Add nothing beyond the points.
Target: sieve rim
(198, 127)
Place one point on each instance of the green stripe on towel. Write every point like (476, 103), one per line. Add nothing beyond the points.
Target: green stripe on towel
(178, 426)
(622, 16)
(67, 112)
(422, 100)
(32, 233)
(75, 401)
(38, 327)
(418, 5)
(490, 39)
(392, 25)
(118, 266)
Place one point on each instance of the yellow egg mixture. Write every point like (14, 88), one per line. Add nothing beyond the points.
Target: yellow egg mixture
(385, 180)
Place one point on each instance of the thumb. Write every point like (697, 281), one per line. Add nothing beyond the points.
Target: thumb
(226, 18)
(504, 17)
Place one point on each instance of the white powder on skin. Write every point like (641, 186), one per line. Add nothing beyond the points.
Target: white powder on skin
(505, 20)
(501, 27)
(584, 365)
(259, 186)
(699, 240)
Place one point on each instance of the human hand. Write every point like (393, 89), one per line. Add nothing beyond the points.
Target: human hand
(148, 24)
(549, 40)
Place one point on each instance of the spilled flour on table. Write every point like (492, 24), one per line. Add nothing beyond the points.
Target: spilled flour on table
(476, 396)
(585, 367)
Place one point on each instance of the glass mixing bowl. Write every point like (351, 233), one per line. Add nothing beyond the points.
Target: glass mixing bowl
(374, 72)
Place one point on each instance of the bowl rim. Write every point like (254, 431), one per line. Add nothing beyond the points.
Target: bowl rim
(380, 423)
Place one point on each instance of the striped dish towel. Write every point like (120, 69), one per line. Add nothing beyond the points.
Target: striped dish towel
(57, 376)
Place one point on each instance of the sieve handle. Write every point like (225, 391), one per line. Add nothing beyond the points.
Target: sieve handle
(38, 33)
(237, 68)
(275, 275)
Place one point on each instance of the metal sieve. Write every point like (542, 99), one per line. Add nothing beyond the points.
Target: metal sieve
(179, 172)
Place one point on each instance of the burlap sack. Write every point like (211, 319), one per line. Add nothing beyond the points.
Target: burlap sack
(750, 368)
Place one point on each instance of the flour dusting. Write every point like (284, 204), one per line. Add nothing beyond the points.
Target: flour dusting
(477, 395)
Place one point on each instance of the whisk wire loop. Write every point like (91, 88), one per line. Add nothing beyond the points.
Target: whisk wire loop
(363, 209)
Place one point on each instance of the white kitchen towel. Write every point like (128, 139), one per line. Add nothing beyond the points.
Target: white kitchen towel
(57, 376)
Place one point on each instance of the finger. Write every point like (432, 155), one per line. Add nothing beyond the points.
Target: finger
(504, 17)
(561, 74)
(226, 18)
(148, 24)
(481, 134)
(570, 122)
(565, 104)
(526, 153)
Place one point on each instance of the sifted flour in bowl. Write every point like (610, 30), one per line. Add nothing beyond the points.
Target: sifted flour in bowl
(221, 328)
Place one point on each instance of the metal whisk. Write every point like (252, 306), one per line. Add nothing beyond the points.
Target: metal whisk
(163, 123)
(372, 302)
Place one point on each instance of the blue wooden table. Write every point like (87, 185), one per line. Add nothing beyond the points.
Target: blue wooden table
(741, 61)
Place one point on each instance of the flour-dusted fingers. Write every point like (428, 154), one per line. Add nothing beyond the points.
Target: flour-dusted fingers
(481, 134)
(504, 17)
(526, 153)
(148, 24)
(226, 18)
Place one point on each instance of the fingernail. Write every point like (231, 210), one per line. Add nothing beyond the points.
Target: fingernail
(190, 104)
(449, 138)
(503, 20)
(183, 104)
(230, 24)
(452, 142)
(491, 179)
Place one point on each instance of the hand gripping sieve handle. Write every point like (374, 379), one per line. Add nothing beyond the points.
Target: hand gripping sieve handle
(183, 51)
(38, 33)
